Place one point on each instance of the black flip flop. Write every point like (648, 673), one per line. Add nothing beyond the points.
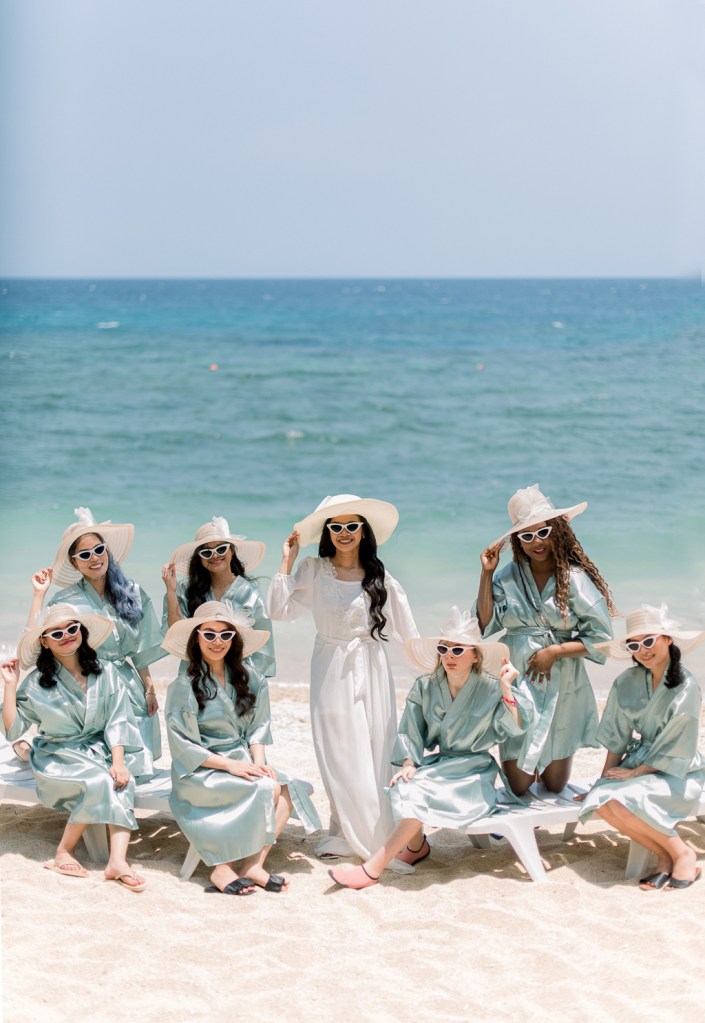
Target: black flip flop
(275, 883)
(234, 888)
(655, 881)
(677, 882)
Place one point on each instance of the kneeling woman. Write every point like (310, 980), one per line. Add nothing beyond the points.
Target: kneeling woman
(88, 741)
(464, 706)
(227, 801)
(651, 783)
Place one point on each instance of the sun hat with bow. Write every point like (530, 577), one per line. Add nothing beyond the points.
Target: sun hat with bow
(528, 506)
(250, 552)
(29, 646)
(118, 537)
(178, 635)
(462, 627)
(382, 517)
(652, 621)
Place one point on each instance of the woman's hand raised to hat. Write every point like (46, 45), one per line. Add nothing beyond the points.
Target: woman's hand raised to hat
(169, 577)
(290, 550)
(10, 672)
(490, 558)
(41, 580)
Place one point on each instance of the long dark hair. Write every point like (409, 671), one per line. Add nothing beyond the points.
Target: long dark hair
(674, 672)
(373, 582)
(205, 686)
(199, 579)
(48, 665)
(120, 591)
(567, 550)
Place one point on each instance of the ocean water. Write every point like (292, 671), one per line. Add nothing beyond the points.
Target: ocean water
(164, 403)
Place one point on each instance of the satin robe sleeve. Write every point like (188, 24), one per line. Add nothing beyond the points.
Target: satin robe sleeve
(185, 743)
(413, 730)
(258, 728)
(503, 723)
(590, 608)
(676, 745)
(290, 596)
(615, 730)
(148, 648)
(25, 717)
(120, 727)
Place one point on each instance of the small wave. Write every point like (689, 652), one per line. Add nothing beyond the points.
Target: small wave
(294, 434)
(108, 324)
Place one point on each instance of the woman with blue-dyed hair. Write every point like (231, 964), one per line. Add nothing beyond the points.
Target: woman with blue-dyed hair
(87, 567)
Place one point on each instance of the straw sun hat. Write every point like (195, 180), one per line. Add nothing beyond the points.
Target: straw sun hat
(462, 627)
(250, 552)
(118, 537)
(29, 646)
(382, 517)
(529, 506)
(178, 634)
(652, 621)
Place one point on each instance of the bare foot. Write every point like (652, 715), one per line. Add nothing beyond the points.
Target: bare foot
(270, 882)
(121, 869)
(684, 866)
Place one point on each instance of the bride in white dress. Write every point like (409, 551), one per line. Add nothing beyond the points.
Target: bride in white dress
(356, 607)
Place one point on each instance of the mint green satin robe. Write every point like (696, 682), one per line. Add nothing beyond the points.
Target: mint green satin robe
(71, 756)
(455, 786)
(141, 642)
(244, 595)
(226, 818)
(667, 722)
(565, 711)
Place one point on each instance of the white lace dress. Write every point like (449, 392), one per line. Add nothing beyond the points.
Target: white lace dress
(353, 709)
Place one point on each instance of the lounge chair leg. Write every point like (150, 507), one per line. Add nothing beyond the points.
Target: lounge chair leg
(480, 841)
(190, 863)
(523, 841)
(569, 830)
(638, 858)
(95, 839)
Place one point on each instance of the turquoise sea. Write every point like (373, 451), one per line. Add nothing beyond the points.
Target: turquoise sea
(442, 396)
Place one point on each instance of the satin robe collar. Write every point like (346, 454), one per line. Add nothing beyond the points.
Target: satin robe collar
(228, 703)
(450, 705)
(84, 706)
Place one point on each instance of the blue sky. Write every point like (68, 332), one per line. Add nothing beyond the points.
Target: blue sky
(385, 138)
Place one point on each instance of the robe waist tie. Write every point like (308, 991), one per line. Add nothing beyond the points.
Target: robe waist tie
(354, 661)
(558, 635)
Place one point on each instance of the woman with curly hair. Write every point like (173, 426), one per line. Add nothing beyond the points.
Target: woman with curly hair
(87, 567)
(356, 607)
(217, 566)
(88, 745)
(653, 775)
(556, 608)
(227, 801)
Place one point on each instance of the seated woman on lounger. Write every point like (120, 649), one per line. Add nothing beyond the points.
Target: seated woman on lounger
(464, 705)
(88, 745)
(651, 782)
(227, 801)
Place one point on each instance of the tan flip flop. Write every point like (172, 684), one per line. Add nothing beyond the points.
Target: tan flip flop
(68, 869)
(140, 887)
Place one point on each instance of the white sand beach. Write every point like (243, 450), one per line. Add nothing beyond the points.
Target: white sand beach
(468, 936)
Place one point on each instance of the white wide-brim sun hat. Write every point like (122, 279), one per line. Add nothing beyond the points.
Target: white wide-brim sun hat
(462, 628)
(178, 634)
(652, 621)
(117, 536)
(250, 552)
(529, 506)
(29, 646)
(382, 517)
